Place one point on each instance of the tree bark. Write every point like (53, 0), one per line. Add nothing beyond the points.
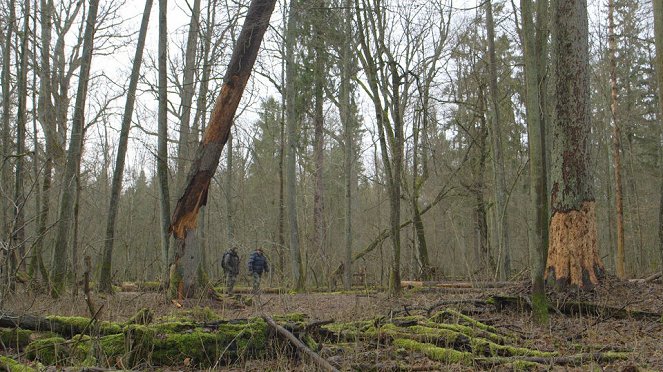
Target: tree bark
(573, 250)
(298, 277)
(162, 146)
(73, 156)
(658, 39)
(534, 38)
(105, 284)
(501, 210)
(216, 134)
(616, 139)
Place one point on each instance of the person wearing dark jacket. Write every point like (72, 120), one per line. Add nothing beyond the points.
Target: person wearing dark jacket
(257, 266)
(230, 265)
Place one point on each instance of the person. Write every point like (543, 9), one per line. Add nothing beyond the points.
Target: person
(257, 266)
(230, 265)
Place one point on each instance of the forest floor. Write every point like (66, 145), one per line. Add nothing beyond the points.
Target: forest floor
(614, 323)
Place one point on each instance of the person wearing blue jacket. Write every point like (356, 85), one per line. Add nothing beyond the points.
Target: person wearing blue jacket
(257, 266)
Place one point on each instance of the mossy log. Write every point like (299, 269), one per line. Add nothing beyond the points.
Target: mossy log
(15, 338)
(11, 365)
(160, 344)
(577, 308)
(64, 326)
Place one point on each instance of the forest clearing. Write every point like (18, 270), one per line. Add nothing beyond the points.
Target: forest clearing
(439, 326)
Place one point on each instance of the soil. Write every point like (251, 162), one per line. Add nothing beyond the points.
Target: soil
(566, 334)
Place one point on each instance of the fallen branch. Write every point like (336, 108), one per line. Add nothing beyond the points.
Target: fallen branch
(648, 279)
(321, 362)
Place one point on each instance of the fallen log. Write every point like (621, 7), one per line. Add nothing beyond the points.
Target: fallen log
(321, 362)
(446, 284)
(575, 308)
(65, 326)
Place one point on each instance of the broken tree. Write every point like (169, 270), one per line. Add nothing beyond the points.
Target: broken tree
(194, 196)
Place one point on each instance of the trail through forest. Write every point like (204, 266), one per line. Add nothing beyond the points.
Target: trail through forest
(433, 326)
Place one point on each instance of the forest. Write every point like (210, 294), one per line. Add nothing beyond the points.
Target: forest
(435, 185)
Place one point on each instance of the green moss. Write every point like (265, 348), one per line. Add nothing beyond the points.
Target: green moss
(435, 353)
(15, 337)
(457, 317)
(353, 330)
(10, 365)
(78, 324)
(540, 308)
(468, 331)
(49, 351)
(201, 314)
(482, 346)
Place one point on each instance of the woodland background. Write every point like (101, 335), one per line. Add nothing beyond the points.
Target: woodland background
(315, 185)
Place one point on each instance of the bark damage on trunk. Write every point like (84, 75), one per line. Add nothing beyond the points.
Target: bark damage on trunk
(194, 196)
(573, 252)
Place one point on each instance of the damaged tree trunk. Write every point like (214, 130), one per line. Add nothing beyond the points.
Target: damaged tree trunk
(572, 249)
(184, 220)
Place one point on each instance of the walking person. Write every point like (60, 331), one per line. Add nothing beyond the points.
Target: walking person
(257, 266)
(230, 265)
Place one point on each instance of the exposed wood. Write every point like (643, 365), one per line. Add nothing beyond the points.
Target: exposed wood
(321, 362)
(439, 284)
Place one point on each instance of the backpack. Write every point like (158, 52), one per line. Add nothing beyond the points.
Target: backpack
(225, 261)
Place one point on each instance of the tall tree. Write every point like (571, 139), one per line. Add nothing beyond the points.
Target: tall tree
(18, 233)
(162, 146)
(535, 52)
(658, 39)
(616, 141)
(297, 268)
(501, 215)
(105, 275)
(216, 134)
(6, 117)
(59, 269)
(573, 250)
(319, 72)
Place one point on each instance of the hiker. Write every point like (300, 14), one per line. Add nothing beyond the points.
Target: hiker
(257, 266)
(230, 265)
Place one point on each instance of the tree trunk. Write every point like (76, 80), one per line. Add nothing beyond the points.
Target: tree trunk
(501, 210)
(73, 156)
(6, 116)
(298, 277)
(230, 231)
(18, 233)
(105, 276)
(348, 139)
(216, 134)
(318, 146)
(534, 45)
(573, 250)
(46, 118)
(658, 38)
(162, 146)
(184, 145)
(616, 147)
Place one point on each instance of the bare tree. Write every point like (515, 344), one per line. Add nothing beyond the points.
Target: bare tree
(616, 141)
(59, 269)
(105, 275)
(535, 53)
(501, 215)
(297, 268)
(162, 147)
